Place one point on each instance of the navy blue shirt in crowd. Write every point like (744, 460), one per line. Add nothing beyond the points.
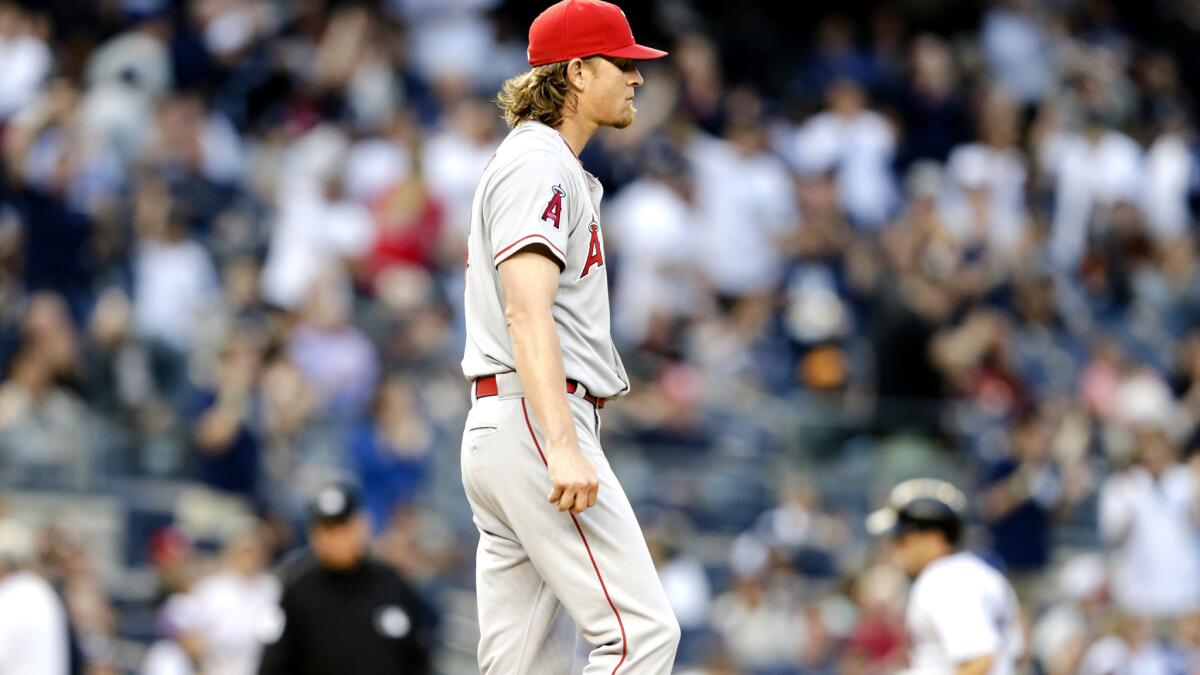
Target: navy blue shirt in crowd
(234, 470)
(1021, 538)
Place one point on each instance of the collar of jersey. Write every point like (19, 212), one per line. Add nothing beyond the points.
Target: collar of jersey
(564, 142)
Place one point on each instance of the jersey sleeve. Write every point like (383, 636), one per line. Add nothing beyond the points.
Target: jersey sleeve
(527, 204)
(963, 622)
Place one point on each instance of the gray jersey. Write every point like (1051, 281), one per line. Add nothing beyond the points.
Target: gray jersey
(535, 191)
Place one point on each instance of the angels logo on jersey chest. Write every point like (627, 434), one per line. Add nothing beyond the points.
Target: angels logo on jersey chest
(595, 252)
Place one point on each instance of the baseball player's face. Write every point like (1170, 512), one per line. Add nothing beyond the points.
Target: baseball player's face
(609, 95)
(912, 551)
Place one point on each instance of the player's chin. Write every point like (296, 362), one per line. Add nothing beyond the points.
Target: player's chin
(624, 119)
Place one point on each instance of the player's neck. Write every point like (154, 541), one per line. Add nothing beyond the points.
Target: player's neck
(577, 131)
(937, 554)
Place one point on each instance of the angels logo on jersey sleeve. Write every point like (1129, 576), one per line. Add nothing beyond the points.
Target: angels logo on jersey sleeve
(553, 210)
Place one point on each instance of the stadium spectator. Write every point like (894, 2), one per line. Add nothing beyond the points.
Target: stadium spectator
(761, 629)
(877, 640)
(392, 452)
(1062, 633)
(1023, 493)
(738, 184)
(226, 431)
(931, 104)
(696, 58)
(987, 204)
(683, 578)
(1148, 515)
(857, 146)
(332, 354)
(42, 425)
(1132, 648)
(230, 611)
(1018, 49)
(1169, 166)
(24, 56)
(409, 222)
(316, 226)
(33, 622)
(453, 158)
(175, 653)
(654, 219)
(175, 283)
(1096, 171)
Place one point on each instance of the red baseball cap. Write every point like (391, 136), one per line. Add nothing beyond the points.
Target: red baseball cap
(577, 28)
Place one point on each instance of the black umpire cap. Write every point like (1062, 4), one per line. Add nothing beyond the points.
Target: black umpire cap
(918, 505)
(334, 503)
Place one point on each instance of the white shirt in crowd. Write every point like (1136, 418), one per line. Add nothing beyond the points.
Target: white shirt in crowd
(167, 657)
(314, 232)
(374, 166)
(1150, 524)
(311, 236)
(860, 151)
(750, 204)
(655, 232)
(175, 289)
(1088, 176)
(766, 634)
(230, 613)
(960, 609)
(1000, 174)
(1111, 654)
(1170, 170)
(686, 585)
(33, 627)
(458, 27)
(452, 164)
(1016, 51)
(25, 61)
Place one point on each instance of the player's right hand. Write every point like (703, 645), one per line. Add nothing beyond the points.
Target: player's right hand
(574, 481)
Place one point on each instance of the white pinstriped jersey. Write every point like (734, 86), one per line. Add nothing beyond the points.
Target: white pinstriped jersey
(959, 609)
(535, 191)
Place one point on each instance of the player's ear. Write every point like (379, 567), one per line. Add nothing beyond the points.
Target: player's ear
(576, 76)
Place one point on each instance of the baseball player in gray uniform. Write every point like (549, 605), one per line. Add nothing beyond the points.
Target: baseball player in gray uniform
(962, 616)
(555, 528)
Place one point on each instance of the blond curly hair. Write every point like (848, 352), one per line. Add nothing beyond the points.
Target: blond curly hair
(537, 94)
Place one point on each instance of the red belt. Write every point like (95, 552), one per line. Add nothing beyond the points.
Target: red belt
(486, 386)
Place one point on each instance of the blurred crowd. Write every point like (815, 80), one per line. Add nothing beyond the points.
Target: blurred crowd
(922, 238)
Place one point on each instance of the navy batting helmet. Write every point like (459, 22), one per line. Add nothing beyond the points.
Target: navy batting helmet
(921, 504)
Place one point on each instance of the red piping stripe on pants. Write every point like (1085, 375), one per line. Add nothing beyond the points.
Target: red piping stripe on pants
(603, 587)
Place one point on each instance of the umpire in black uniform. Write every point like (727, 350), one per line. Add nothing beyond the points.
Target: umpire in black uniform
(343, 612)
